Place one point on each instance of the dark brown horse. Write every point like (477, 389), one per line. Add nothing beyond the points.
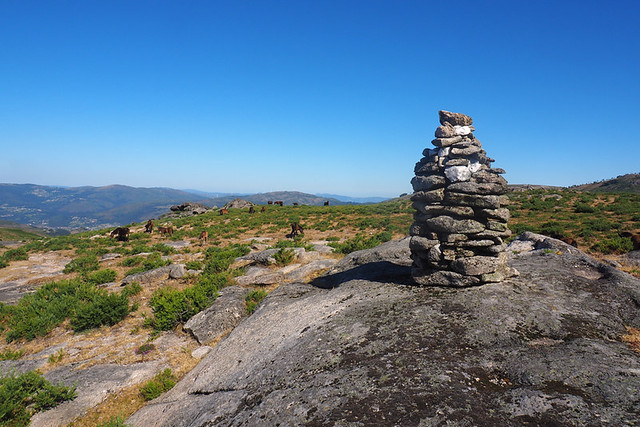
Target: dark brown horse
(121, 234)
(223, 211)
(166, 230)
(296, 229)
(148, 228)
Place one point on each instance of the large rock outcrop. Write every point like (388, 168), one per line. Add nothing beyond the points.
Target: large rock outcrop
(544, 348)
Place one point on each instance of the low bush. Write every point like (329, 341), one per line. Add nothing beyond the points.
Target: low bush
(360, 242)
(101, 276)
(82, 264)
(152, 261)
(118, 421)
(39, 313)
(284, 256)
(162, 382)
(11, 355)
(18, 254)
(194, 265)
(131, 289)
(613, 245)
(254, 298)
(103, 310)
(21, 396)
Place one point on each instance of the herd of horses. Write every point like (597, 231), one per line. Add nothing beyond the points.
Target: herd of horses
(121, 234)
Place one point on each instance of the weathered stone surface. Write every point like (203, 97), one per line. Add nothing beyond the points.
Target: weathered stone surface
(477, 265)
(543, 348)
(238, 204)
(468, 151)
(455, 119)
(422, 244)
(444, 278)
(427, 168)
(446, 130)
(471, 187)
(426, 183)
(149, 276)
(477, 201)
(446, 142)
(226, 312)
(110, 257)
(429, 196)
(501, 214)
(447, 224)
(459, 211)
(457, 162)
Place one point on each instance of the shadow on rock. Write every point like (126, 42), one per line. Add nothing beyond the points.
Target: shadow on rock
(381, 271)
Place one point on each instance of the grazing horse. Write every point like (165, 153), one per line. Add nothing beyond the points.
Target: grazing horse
(204, 236)
(121, 234)
(570, 241)
(166, 230)
(635, 239)
(295, 204)
(264, 209)
(148, 228)
(296, 229)
(326, 203)
(223, 211)
(279, 202)
(269, 202)
(251, 210)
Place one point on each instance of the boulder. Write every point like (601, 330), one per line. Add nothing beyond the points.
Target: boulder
(238, 204)
(226, 312)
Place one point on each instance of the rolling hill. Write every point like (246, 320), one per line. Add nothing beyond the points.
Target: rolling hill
(629, 183)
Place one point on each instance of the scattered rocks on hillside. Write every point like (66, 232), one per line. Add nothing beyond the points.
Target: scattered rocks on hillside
(460, 219)
(190, 208)
(238, 204)
(174, 271)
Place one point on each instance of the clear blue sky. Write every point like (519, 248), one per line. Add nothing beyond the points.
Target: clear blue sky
(331, 96)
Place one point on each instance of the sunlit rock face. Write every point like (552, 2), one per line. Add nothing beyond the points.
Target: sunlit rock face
(460, 219)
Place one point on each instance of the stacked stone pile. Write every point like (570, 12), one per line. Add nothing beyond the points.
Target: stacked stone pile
(461, 219)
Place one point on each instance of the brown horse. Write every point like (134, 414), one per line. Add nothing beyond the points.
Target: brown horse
(264, 209)
(121, 234)
(204, 236)
(326, 203)
(251, 210)
(223, 211)
(148, 228)
(166, 230)
(296, 229)
(570, 241)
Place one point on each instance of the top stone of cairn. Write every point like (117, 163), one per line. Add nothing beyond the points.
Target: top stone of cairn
(454, 119)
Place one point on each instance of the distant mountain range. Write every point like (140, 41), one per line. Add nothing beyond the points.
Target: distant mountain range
(79, 208)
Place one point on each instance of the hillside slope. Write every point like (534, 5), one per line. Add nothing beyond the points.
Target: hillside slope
(629, 183)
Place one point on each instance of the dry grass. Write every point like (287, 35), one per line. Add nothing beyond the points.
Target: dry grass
(632, 338)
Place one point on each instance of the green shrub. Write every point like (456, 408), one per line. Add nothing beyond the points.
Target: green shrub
(254, 298)
(284, 256)
(194, 265)
(613, 245)
(163, 249)
(152, 261)
(11, 355)
(162, 382)
(18, 254)
(38, 313)
(131, 261)
(83, 264)
(101, 276)
(21, 396)
(296, 242)
(360, 242)
(118, 421)
(131, 289)
(3, 264)
(584, 208)
(104, 310)
(171, 306)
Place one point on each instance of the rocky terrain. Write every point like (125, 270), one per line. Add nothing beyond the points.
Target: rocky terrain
(549, 347)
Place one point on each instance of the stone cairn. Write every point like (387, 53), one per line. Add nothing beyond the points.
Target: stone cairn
(461, 219)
